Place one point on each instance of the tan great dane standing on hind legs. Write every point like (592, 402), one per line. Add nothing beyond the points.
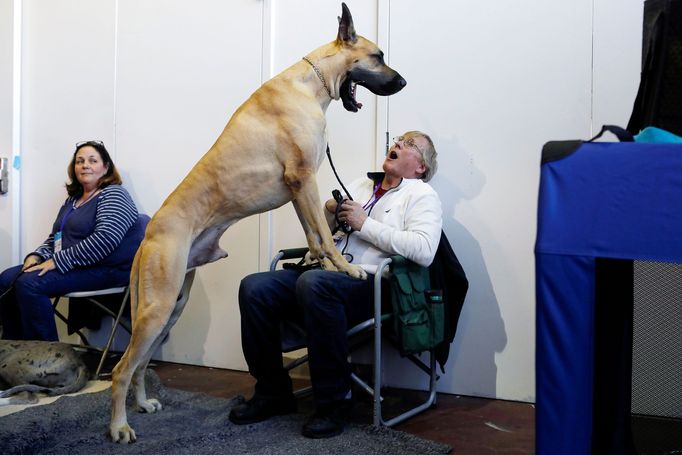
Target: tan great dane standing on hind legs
(266, 156)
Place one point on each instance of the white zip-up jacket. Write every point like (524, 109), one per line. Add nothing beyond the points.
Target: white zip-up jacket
(406, 220)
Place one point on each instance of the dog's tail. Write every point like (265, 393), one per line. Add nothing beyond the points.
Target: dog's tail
(75, 386)
(25, 398)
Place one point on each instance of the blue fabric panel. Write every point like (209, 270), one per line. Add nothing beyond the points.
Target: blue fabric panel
(614, 200)
(564, 354)
(653, 134)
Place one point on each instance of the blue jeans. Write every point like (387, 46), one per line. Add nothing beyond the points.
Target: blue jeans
(27, 314)
(325, 303)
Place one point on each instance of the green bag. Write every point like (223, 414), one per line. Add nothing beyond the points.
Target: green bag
(418, 310)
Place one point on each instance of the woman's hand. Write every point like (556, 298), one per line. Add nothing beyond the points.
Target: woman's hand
(352, 213)
(31, 260)
(42, 268)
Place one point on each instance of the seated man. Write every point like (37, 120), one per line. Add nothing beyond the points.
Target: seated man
(394, 212)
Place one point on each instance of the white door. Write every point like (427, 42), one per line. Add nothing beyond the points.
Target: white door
(183, 68)
(491, 82)
(156, 81)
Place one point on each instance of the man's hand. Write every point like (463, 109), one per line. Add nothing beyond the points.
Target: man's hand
(352, 213)
(42, 268)
(330, 206)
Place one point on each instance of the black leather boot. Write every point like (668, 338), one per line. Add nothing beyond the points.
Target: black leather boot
(261, 408)
(328, 420)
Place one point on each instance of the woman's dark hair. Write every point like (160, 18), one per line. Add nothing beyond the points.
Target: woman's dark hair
(112, 177)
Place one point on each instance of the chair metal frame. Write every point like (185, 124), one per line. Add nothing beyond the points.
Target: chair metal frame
(91, 297)
(137, 230)
(375, 324)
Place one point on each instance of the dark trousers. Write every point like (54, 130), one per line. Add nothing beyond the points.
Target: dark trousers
(325, 304)
(27, 314)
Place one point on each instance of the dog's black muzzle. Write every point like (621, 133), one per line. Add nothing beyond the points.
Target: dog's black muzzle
(382, 83)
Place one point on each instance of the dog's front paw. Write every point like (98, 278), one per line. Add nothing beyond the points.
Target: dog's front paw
(149, 406)
(356, 272)
(328, 265)
(122, 434)
(351, 270)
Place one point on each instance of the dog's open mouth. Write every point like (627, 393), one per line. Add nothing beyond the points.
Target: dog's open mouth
(348, 90)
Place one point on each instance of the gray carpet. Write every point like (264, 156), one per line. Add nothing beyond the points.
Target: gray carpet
(190, 423)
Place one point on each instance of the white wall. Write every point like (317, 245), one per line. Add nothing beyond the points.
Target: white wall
(182, 70)
(157, 85)
(617, 57)
(491, 101)
(67, 96)
(491, 82)
(7, 206)
(352, 136)
(492, 87)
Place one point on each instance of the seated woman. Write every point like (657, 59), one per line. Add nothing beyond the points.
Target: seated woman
(91, 247)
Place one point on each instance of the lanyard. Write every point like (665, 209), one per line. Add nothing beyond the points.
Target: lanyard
(369, 204)
(66, 216)
(72, 208)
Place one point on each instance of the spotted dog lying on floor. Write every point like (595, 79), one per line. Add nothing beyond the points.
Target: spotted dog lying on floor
(39, 366)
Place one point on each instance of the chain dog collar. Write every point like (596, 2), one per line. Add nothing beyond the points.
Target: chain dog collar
(319, 74)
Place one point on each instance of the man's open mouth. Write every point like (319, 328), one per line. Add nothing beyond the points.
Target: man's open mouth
(392, 155)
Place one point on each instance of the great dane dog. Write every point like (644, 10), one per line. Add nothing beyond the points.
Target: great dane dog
(40, 366)
(266, 156)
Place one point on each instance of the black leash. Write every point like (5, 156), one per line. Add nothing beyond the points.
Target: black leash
(11, 285)
(339, 200)
(331, 163)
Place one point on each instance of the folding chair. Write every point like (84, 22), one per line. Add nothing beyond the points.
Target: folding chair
(132, 239)
(91, 296)
(293, 338)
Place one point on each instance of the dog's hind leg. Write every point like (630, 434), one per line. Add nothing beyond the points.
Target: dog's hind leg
(152, 405)
(119, 430)
(145, 333)
(160, 272)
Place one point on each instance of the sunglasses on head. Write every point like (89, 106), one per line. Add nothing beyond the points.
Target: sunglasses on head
(84, 143)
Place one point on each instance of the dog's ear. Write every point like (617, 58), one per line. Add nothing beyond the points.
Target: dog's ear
(346, 27)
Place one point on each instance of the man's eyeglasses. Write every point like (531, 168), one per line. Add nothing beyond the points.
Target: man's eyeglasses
(409, 142)
(82, 143)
